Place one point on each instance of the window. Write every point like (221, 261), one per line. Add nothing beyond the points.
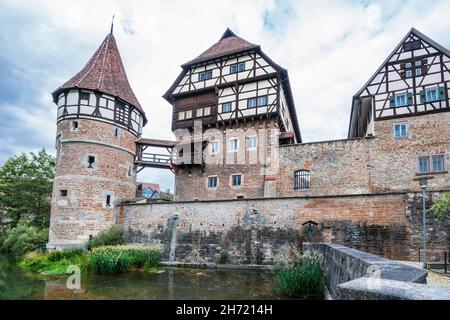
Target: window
(408, 73)
(418, 72)
(236, 180)
(438, 163)
(251, 143)
(84, 98)
(212, 182)
(226, 107)
(400, 100)
(214, 147)
(206, 111)
(108, 200)
(202, 76)
(433, 163)
(63, 193)
(238, 67)
(117, 132)
(302, 179)
(252, 103)
(199, 112)
(233, 145)
(432, 95)
(418, 63)
(424, 165)
(181, 115)
(400, 130)
(91, 160)
(257, 102)
(74, 126)
(262, 101)
(188, 114)
(129, 171)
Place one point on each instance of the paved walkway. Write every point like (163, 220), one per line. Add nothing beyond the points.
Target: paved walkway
(433, 277)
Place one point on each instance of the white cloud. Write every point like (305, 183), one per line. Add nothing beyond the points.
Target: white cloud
(330, 49)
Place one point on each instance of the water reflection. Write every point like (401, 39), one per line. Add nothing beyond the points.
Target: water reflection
(168, 284)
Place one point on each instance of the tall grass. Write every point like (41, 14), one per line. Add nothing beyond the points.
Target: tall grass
(110, 237)
(302, 278)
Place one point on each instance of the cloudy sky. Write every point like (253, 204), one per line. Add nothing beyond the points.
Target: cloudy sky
(330, 49)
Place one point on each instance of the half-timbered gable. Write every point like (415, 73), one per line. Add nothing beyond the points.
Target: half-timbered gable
(413, 80)
(231, 81)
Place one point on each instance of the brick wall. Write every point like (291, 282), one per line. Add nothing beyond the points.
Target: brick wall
(266, 230)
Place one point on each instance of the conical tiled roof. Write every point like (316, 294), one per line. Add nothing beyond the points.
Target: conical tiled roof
(104, 72)
(228, 43)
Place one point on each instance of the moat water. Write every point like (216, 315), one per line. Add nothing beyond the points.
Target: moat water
(169, 283)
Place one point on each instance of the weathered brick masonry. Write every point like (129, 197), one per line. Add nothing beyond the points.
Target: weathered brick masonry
(266, 230)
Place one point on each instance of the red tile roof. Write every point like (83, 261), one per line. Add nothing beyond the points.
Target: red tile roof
(228, 43)
(104, 72)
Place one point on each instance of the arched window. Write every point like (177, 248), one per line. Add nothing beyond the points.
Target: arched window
(302, 179)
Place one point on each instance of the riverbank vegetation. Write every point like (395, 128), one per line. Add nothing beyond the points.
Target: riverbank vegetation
(302, 277)
(102, 260)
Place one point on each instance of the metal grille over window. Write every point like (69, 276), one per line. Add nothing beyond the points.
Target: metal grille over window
(302, 179)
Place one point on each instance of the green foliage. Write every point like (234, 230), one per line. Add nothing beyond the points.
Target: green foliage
(303, 277)
(55, 262)
(166, 195)
(26, 187)
(110, 237)
(441, 207)
(116, 259)
(24, 237)
(223, 257)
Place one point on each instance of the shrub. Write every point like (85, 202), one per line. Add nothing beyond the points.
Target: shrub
(305, 280)
(223, 257)
(303, 276)
(441, 207)
(24, 238)
(68, 254)
(110, 237)
(109, 261)
(116, 259)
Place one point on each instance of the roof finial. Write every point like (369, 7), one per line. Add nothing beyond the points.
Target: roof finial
(112, 24)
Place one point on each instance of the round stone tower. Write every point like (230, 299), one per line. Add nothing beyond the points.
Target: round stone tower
(98, 122)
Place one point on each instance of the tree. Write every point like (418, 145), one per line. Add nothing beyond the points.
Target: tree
(26, 187)
(441, 206)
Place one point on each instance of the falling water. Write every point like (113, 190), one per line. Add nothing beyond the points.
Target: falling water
(173, 223)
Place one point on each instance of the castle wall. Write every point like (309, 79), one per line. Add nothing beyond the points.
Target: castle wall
(84, 211)
(264, 231)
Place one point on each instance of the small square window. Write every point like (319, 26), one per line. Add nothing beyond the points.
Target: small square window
(438, 163)
(226, 107)
(63, 193)
(400, 130)
(188, 114)
(418, 63)
(199, 112)
(233, 145)
(241, 67)
(418, 72)
(262, 101)
(252, 102)
(408, 73)
(236, 180)
(408, 65)
(206, 111)
(84, 98)
(432, 95)
(212, 182)
(238, 67)
(181, 115)
(401, 100)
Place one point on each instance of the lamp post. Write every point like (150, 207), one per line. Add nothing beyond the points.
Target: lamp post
(423, 181)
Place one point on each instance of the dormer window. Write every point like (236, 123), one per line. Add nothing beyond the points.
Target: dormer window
(206, 75)
(238, 67)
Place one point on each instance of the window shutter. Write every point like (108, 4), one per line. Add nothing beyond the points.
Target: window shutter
(441, 93)
(392, 101)
(410, 99)
(423, 98)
